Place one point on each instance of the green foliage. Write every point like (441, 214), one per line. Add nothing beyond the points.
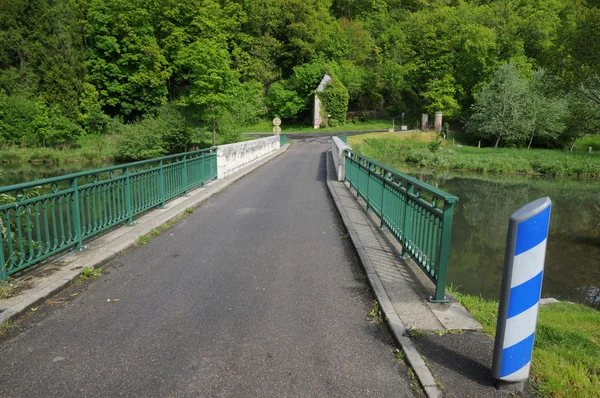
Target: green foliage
(284, 103)
(566, 345)
(122, 58)
(86, 59)
(91, 118)
(500, 109)
(154, 136)
(435, 144)
(141, 140)
(90, 272)
(335, 100)
(16, 116)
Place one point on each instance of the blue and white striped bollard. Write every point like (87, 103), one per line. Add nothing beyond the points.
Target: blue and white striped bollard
(521, 291)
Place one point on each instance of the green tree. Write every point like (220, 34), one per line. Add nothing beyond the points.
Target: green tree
(123, 59)
(499, 111)
(206, 67)
(545, 114)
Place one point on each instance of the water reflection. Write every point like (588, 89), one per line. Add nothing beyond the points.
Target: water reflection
(481, 223)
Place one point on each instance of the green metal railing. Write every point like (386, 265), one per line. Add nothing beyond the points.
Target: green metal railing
(42, 218)
(417, 214)
(282, 140)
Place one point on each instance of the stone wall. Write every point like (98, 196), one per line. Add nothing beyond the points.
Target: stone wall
(232, 157)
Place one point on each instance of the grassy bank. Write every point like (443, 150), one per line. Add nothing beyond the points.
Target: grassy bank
(89, 149)
(414, 148)
(567, 346)
(266, 126)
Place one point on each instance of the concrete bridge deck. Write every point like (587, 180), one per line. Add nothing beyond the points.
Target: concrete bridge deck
(256, 294)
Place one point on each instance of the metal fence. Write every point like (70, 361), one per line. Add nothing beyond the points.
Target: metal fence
(417, 214)
(42, 218)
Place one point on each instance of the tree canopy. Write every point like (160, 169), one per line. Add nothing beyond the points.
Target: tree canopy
(86, 61)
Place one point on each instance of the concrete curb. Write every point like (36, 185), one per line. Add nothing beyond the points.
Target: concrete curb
(394, 322)
(127, 239)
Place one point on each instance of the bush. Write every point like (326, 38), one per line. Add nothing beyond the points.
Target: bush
(335, 100)
(434, 145)
(16, 117)
(175, 136)
(154, 136)
(142, 140)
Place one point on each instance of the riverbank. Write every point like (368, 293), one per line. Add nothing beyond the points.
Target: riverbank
(417, 149)
(266, 126)
(89, 149)
(567, 345)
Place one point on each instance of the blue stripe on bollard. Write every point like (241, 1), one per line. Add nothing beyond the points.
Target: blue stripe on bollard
(532, 232)
(516, 356)
(525, 295)
(521, 290)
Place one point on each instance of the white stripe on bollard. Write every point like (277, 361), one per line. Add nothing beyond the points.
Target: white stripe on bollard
(521, 290)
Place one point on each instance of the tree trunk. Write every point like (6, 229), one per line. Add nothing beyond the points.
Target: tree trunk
(497, 142)
(530, 141)
(573, 144)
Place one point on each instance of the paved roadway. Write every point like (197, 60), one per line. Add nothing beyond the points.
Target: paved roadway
(256, 294)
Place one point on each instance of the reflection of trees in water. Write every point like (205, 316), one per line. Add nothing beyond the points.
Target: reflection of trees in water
(480, 226)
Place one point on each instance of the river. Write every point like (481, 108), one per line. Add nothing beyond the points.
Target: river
(480, 225)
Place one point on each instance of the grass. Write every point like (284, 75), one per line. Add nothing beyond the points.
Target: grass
(6, 327)
(90, 272)
(6, 290)
(397, 149)
(90, 149)
(144, 239)
(375, 316)
(266, 126)
(567, 345)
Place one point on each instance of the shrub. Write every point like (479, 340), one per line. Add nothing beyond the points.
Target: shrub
(335, 100)
(434, 145)
(142, 140)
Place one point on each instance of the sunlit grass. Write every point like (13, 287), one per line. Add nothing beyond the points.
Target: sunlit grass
(567, 345)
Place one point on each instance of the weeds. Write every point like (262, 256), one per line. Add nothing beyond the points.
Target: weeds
(6, 290)
(6, 327)
(90, 272)
(144, 239)
(375, 315)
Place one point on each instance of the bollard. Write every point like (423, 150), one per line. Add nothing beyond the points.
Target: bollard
(521, 290)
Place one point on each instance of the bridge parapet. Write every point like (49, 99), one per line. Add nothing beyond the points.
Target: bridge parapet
(338, 150)
(232, 157)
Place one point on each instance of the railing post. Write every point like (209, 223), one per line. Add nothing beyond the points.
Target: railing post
(410, 188)
(185, 176)
(161, 184)
(3, 264)
(76, 213)
(444, 258)
(381, 221)
(368, 209)
(128, 203)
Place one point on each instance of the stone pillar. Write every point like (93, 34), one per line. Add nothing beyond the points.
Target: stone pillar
(438, 122)
(424, 122)
(317, 113)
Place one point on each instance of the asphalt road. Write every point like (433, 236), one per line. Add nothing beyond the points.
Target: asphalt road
(256, 294)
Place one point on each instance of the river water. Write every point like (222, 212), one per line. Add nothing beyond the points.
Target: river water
(480, 225)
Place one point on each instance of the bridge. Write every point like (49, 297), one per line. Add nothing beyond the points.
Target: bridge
(263, 290)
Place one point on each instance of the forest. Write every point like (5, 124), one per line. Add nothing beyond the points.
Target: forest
(160, 75)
